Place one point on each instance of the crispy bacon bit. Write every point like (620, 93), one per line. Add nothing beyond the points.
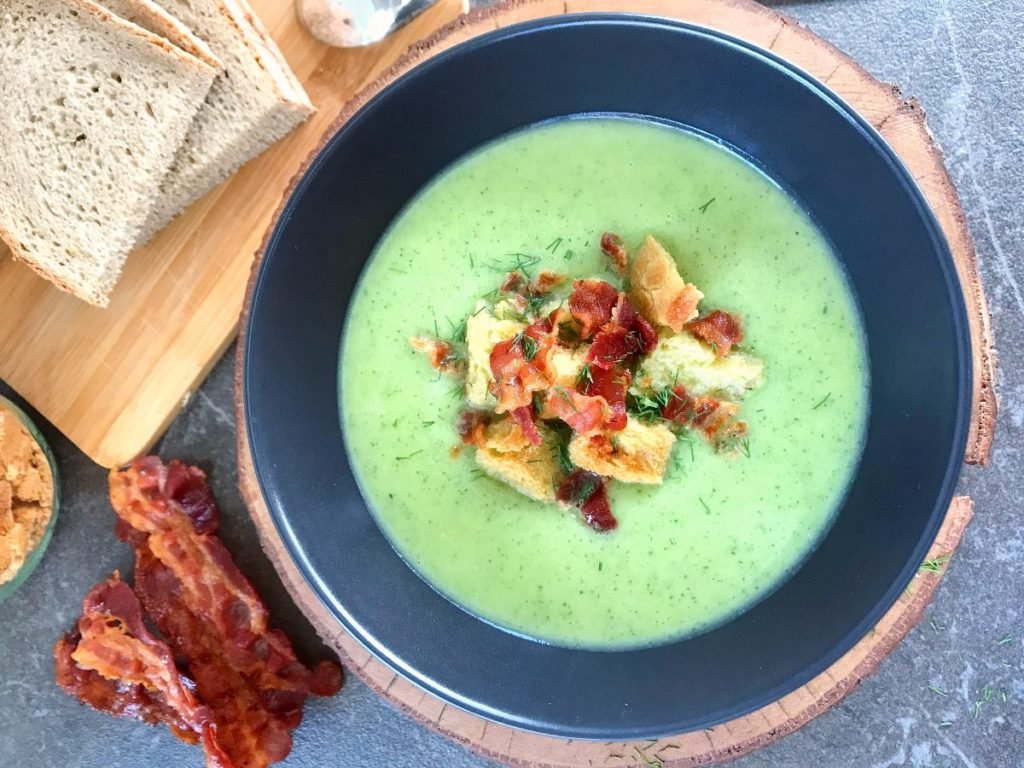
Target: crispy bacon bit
(524, 418)
(613, 248)
(612, 385)
(247, 677)
(718, 329)
(680, 408)
(472, 425)
(581, 412)
(714, 418)
(545, 281)
(587, 491)
(441, 355)
(591, 305)
(520, 366)
(623, 340)
(513, 282)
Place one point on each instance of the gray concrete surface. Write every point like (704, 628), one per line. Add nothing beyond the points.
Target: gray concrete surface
(964, 61)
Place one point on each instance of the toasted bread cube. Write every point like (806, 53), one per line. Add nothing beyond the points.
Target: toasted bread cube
(681, 359)
(657, 290)
(484, 329)
(637, 454)
(566, 365)
(508, 456)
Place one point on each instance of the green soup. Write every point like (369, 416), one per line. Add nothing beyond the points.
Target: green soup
(719, 533)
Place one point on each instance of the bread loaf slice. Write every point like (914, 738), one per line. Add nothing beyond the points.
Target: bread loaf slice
(253, 103)
(93, 111)
(153, 18)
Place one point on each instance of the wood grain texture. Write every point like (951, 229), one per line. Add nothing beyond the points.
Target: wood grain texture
(902, 123)
(112, 380)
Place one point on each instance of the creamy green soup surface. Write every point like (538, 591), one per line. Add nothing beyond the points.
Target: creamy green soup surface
(720, 532)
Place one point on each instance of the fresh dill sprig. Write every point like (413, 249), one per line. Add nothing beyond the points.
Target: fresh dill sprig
(1004, 640)
(458, 330)
(935, 565)
(527, 343)
(821, 402)
(428, 423)
(568, 254)
(986, 697)
(585, 377)
(704, 208)
(936, 689)
(562, 434)
(521, 262)
(409, 456)
(648, 407)
(704, 504)
(946, 724)
(554, 245)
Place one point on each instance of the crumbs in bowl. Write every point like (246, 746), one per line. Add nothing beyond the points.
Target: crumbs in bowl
(26, 494)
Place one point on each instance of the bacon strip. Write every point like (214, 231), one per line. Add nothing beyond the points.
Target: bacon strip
(441, 355)
(591, 305)
(246, 674)
(718, 329)
(141, 678)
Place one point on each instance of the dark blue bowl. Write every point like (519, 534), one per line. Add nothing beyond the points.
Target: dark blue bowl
(801, 135)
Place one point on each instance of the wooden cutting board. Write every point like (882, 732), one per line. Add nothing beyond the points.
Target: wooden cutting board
(112, 380)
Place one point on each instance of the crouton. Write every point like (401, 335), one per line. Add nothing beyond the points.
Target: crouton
(508, 456)
(566, 365)
(681, 359)
(657, 290)
(484, 329)
(637, 454)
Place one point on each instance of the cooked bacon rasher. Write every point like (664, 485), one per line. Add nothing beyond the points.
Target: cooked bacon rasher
(250, 684)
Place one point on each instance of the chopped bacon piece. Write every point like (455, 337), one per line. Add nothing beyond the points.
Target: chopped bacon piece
(513, 282)
(718, 329)
(472, 425)
(626, 316)
(524, 418)
(581, 412)
(715, 418)
(613, 248)
(591, 304)
(520, 366)
(680, 408)
(587, 491)
(545, 281)
(623, 340)
(441, 355)
(612, 385)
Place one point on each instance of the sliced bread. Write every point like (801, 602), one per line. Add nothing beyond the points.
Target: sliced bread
(151, 17)
(94, 110)
(253, 103)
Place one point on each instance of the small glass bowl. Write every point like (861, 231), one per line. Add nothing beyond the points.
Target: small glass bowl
(33, 558)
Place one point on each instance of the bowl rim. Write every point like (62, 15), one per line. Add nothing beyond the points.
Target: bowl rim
(34, 557)
(354, 111)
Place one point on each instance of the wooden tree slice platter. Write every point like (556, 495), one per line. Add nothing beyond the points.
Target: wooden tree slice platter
(113, 379)
(902, 122)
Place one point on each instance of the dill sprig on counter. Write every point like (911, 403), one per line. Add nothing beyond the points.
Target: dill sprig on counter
(936, 564)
